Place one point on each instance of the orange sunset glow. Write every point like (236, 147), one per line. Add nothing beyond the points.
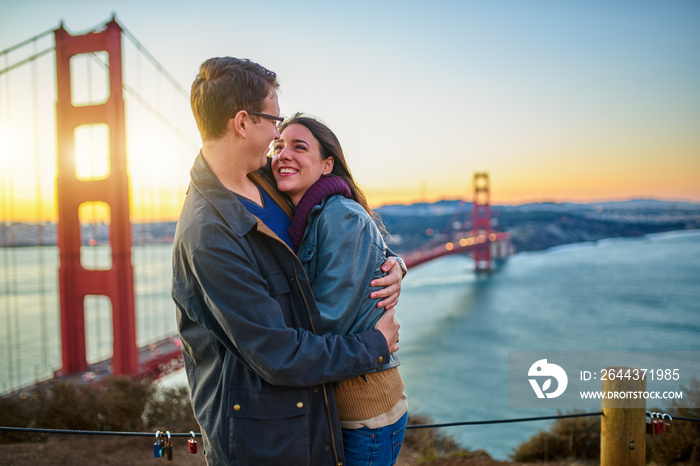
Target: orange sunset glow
(570, 102)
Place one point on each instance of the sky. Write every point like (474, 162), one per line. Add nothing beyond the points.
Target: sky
(563, 101)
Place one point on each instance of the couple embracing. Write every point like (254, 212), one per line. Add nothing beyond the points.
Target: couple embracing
(285, 290)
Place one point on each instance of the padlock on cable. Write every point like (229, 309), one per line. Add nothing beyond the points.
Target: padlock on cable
(157, 445)
(662, 424)
(192, 444)
(658, 423)
(668, 425)
(168, 447)
(650, 423)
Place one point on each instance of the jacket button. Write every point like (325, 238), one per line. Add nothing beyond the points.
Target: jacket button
(300, 405)
(327, 448)
(381, 358)
(236, 407)
(315, 389)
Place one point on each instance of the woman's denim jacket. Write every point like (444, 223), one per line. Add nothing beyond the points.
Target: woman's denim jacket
(342, 250)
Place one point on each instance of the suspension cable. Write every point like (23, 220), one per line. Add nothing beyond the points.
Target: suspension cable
(9, 250)
(140, 251)
(43, 52)
(26, 60)
(155, 63)
(159, 115)
(140, 99)
(43, 323)
(32, 39)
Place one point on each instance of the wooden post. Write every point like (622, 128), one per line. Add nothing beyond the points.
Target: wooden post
(622, 427)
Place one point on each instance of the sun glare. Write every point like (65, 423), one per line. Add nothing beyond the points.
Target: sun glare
(152, 160)
(158, 176)
(92, 152)
(8, 146)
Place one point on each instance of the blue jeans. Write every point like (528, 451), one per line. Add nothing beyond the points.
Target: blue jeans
(374, 446)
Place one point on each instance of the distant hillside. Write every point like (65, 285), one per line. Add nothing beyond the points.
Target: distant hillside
(539, 226)
(531, 226)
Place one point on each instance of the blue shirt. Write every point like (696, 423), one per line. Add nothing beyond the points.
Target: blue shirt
(271, 215)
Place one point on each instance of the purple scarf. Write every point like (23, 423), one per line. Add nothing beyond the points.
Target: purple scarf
(321, 189)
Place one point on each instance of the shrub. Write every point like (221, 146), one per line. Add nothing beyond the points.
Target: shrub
(124, 401)
(429, 443)
(111, 404)
(568, 438)
(17, 411)
(170, 409)
(63, 405)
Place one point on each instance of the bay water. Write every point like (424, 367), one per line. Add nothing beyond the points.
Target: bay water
(457, 328)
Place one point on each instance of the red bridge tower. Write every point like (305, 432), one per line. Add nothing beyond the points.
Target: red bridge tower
(481, 222)
(75, 281)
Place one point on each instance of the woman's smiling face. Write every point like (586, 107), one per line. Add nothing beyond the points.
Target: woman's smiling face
(297, 162)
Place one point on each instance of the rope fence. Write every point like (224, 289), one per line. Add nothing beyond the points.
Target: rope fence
(34, 430)
(503, 421)
(420, 426)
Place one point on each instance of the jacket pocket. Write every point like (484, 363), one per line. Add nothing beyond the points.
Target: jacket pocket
(269, 427)
(278, 283)
(269, 404)
(280, 291)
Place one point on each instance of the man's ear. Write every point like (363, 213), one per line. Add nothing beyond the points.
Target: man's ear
(239, 123)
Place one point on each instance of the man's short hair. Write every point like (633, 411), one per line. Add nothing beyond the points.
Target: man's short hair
(225, 86)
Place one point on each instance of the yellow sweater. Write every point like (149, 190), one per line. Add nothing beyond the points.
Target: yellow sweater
(359, 400)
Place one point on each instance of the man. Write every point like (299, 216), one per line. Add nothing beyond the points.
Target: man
(256, 358)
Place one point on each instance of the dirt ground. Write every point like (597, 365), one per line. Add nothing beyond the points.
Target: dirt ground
(137, 451)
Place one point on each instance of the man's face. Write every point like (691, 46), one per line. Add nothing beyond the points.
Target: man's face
(265, 130)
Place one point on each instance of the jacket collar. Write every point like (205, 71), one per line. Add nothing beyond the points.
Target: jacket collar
(266, 181)
(315, 195)
(224, 201)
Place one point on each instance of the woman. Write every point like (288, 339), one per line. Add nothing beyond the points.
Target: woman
(341, 248)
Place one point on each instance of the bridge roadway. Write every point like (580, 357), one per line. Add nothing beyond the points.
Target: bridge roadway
(499, 244)
(155, 360)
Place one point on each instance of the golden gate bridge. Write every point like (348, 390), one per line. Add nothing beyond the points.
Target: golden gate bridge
(97, 101)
